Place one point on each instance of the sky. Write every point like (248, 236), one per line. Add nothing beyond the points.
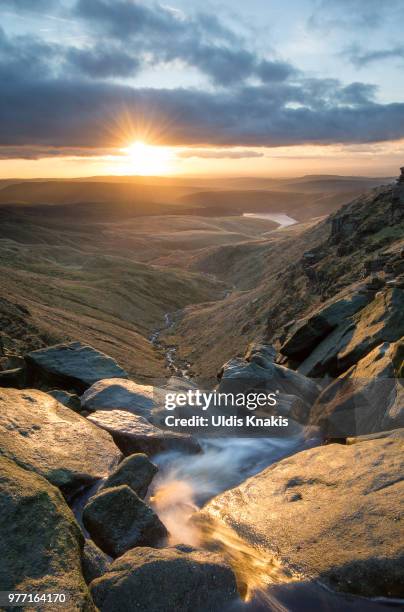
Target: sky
(263, 87)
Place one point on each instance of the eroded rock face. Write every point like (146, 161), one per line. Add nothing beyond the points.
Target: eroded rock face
(366, 399)
(40, 541)
(42, 435)
(333, 513)
(136, 471)
(133, 434)
(93, 561)
(381, 321)
(306, 334)
(72, 366)
(117, 520)
(180, 578)
(119, 394)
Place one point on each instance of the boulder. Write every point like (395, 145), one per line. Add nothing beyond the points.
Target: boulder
(306, 334)
(42, 435)
(119, 394)
(239, 376)
(178, 578)
(381, 321)
(70, 400)
(40, 541)
(133, 434)
(72, 366)
(262, 354)
(117, 520)
(332, 513)
(136, 471)
(367, 398)
(94, 562)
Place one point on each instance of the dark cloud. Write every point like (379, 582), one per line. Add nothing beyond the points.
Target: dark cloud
(66, 113)
(201, 41)
(101, 62)
(361, 58)
(27, 5)
(270, 71)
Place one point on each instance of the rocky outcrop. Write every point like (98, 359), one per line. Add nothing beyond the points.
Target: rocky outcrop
(119, 394)
(368, 398)
(136, 471)
(382, 320)
(331, 513)
(40, 541)
(180, 579)
(71, 366)
(133, 434)
(44, 436)
(117, 520)
(307, 333)
(94, 562)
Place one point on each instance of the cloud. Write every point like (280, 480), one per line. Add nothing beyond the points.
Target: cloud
(99, 62)
(219, 154)
(361, 58)
(83, 113)
(352, 14)
(201, 41)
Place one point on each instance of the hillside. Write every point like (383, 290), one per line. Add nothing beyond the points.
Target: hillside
(286, 276)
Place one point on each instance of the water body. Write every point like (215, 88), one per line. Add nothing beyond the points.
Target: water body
(281, 218)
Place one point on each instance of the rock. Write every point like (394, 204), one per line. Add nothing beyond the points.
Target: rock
(261, 354)
(367, 398)
(133, 434)
(94, 562)
(381, 321)
(332, 513)
(14, 378)
(73, 365)
(70, 400)
(238, 375)
(40, 541)
(117, 520)
(307, 333)
(119, 394)
(180, 579)
(41, 435)
(136, 471)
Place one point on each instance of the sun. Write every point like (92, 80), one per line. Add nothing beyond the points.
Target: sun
(148, 160)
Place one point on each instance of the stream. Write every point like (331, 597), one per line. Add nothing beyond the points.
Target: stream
(186, 482)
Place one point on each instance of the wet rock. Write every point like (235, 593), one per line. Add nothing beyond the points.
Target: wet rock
(70, 400)
(136, 471)
(40, 541)
(307, 333)
(331, 513)
(117, 520)
(180, 579)
(380, 321)
(93, 561)
(133, 434)
(73, 366)
(368, 398)
(42, 435)
(119, 394)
